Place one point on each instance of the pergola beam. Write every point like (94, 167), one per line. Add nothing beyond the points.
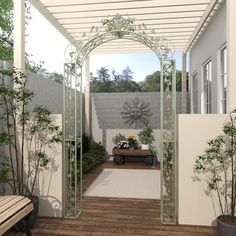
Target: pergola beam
(201, 23)
(116, 3)
(152, 20)
(149, 12)
(134, 6)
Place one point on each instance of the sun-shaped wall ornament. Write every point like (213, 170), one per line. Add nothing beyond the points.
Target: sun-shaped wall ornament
(136, 112)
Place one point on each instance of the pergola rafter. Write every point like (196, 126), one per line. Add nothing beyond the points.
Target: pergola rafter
(174, 20)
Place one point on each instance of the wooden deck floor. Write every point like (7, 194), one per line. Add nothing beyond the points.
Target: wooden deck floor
(116, 217)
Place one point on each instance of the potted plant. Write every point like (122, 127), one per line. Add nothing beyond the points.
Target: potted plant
(132, 141)
(118, 138)
(217, 166)
(146, 136)
(25, 133)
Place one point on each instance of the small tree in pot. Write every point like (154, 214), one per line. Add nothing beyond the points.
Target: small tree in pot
(25, 134)
(217, 167)
(146, 136)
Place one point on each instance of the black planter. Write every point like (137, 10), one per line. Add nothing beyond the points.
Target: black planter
(225, 227)
(21, 226)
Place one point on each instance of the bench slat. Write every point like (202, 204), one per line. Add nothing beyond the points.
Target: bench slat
(7, 199)
(14, 209)
(11, 201)
(15, 218)
(3, 198)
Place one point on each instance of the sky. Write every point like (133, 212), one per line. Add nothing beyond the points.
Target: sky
(46, 44)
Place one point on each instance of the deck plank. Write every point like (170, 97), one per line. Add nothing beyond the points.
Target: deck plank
(116, 216)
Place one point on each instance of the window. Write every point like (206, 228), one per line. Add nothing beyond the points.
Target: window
(223, 80)
(207, 80)
(195, 92)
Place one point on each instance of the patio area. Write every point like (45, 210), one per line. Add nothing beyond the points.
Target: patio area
(116, 216)
(181, 121)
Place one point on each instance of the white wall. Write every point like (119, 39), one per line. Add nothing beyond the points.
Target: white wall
(49, 182)
(195, 208)
(207, 46)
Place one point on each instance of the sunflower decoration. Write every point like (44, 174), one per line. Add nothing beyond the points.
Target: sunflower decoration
(136, 112)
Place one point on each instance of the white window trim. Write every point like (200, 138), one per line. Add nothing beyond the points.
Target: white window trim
(202, 85)
(219, 98)
(192, 75)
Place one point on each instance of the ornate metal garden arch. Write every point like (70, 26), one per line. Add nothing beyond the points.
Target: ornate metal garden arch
(113, 28)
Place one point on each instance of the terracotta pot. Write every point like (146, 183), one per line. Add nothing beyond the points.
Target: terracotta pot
(226, 225)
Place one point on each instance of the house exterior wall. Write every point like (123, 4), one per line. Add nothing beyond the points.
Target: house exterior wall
(207, 47)
(195, 207)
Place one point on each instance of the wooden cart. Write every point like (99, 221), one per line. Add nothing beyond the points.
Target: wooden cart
(123, 155)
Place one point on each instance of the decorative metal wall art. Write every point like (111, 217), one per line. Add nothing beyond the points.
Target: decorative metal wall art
(112, 28)
(136, 112)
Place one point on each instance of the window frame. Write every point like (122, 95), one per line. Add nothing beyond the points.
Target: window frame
(207, 86)
(223, 83)
(194, 106)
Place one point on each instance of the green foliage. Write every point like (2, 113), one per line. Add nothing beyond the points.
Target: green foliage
(86, 143)
(117, 138)
(56, 77)
(6, 30)
(115, 82)
(104, 82)
(23, 128)
(132, 141)
(146, 136)
(93, 157)
(152, 83)
(4, 168)
(217, 166)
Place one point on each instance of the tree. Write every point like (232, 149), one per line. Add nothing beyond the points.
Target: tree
(152, 83)
(6, 29)
(127, 76)
(116, 77)
(102, 82)
(56, 77)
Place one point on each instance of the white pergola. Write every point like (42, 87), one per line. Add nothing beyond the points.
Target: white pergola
(181, 21)
(178, 20)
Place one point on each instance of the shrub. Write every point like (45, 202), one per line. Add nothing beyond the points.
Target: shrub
(93, 157)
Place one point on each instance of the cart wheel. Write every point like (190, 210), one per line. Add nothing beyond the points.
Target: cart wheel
(118, 160)
(149, 160)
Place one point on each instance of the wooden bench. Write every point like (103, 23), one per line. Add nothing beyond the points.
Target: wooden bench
(14, 208)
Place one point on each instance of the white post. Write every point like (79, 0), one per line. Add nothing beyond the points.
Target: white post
(184, 85)
(87, 97)
(231, 52)
(19, 34)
